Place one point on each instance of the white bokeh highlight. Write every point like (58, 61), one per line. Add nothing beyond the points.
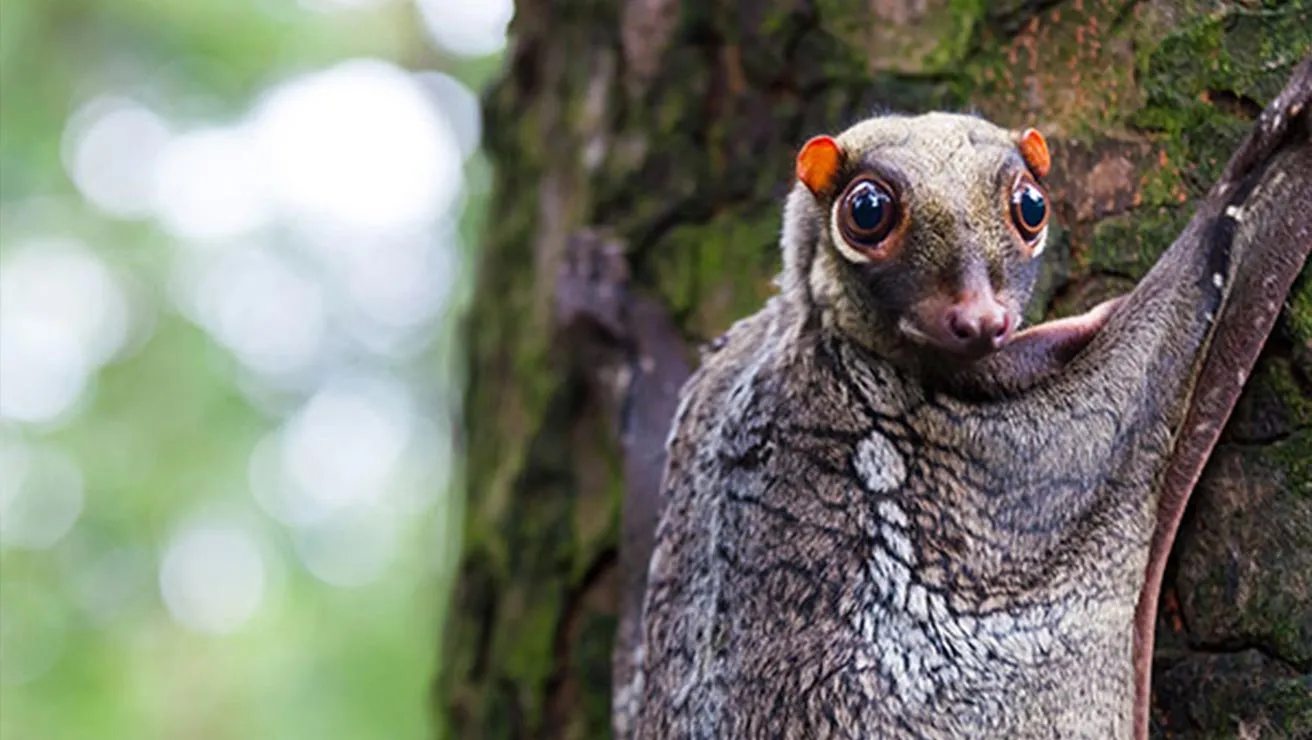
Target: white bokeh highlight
(110, 149)
(268, 310)
(467, 28)
(340, 450)
(459, 105)
(315, 238)
(351, 548)
(210, 185)
(62, 316)
(360, 144)
(348, 243)
(212, 577)
(400, 283)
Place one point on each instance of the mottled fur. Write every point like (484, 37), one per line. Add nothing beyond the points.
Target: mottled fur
(862, 539)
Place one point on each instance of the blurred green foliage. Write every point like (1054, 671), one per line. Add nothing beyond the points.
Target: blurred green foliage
(166, 430)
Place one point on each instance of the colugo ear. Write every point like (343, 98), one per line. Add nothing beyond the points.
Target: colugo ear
(1034, 150)
(818, 163)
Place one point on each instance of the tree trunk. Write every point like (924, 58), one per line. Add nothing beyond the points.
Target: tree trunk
(643, 149)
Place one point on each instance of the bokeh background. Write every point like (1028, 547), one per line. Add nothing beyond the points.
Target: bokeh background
(234, 250)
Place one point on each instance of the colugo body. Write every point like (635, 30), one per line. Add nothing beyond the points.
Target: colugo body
(891, 513)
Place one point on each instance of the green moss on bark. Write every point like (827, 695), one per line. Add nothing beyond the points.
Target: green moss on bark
(1245, 569)
(713, 273)
(1227, 695)
(1205, 81)
(923, 37)
(1130, 244)
(1298, 313)
(1290, 705)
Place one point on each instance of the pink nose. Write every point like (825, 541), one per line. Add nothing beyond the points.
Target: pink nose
(978, 320)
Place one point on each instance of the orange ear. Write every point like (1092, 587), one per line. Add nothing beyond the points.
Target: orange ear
(818, 163)
(1034, 150)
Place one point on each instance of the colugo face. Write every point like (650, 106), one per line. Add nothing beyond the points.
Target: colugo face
(940, 220)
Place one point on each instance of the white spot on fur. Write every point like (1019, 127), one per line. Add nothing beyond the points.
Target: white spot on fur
(654, 563)
(628, 698)
(900, 544)
(891, 577)
(890, 512)
(879, 464)
(917, 603)
(1217, 280)
(1235, 212)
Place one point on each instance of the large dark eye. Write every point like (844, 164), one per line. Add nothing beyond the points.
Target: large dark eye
(867, 213)
(1029, 209)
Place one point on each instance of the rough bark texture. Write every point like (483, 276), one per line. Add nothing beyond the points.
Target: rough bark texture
(643, 148)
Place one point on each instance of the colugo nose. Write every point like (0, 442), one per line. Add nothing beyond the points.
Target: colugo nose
(978, 319)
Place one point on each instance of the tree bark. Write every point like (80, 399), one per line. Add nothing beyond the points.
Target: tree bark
(642, 151)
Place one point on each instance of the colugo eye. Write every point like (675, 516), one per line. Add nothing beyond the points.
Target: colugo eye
(1029, 209)
(867, 213)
